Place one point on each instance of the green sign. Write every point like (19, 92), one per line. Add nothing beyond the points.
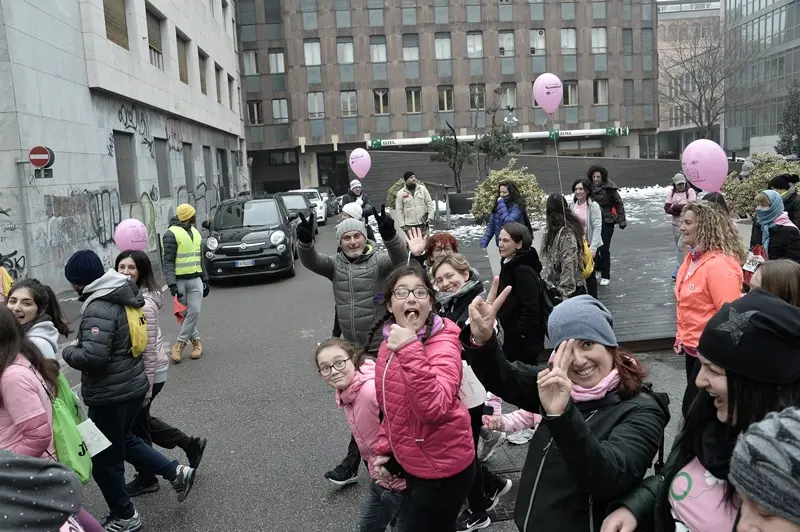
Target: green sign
(376, 144)
(611, 132)
(554, 134)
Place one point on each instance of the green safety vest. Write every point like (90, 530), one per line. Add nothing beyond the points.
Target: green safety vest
(187, 259)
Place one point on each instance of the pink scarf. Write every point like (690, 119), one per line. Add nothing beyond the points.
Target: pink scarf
(783, 219)
(581, 395)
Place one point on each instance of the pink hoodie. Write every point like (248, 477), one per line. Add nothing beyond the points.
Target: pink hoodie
(360, 405)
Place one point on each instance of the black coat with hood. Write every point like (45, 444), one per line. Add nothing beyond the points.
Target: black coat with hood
(607, 196)
(110, 374)
(455, 307)
(366, 206)
(581, 461)
(521, 314)
(791, 204)
(784, 242)
(170, 245)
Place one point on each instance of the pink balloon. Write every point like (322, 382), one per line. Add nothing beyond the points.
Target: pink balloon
(131, 234)
(705, 165)
(360, 162)
(548, 92)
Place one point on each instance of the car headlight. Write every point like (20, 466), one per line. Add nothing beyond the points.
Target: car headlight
(277, 237)
(212, 243)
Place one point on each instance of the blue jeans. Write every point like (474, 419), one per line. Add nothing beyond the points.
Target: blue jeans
(108, 467)
(381, 508)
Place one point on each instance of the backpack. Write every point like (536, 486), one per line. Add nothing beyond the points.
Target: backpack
(588, 260)
(6, 280)
(137, 327)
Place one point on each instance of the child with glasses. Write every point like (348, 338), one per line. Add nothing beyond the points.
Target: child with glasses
(425, 433)
(353, 377)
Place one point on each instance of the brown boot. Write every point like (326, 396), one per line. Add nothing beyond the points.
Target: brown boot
(177, 351)
(197, 348)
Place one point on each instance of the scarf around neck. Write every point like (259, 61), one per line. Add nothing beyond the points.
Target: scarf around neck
(607, 384)
(774, 216)
(445, 299)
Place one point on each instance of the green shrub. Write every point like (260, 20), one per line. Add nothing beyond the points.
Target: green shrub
(485, 196)
(391, 194)
(740, 193)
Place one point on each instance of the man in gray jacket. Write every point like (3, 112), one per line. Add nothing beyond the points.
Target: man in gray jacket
(114, 385)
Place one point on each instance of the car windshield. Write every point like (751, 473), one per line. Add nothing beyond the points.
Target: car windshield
(324, 195)
(312, 196)
(248, 214)
(294, 201)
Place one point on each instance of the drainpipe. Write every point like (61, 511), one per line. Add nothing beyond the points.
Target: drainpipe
(23, 206)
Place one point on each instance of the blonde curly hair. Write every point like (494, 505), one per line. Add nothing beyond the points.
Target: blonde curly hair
(715, 230)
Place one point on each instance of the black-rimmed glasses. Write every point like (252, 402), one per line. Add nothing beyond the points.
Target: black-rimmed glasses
(338, 365)
(403, 293)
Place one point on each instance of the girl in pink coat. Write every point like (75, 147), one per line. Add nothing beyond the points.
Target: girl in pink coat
(353, 377)
(425, 434)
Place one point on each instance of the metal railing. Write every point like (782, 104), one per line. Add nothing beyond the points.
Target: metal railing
(440, 193)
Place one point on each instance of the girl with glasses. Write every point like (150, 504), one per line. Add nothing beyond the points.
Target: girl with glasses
(353, 377)
(426, 427)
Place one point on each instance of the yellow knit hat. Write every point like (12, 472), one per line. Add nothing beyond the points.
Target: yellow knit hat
(185, 212)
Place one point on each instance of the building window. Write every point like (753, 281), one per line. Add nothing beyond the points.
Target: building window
(154, 40)
(568, 41)
(202, 63)
(312, 53)
(538, 42)
(570, 93)
(409, 16)
(647, 41)
(474, 44)
(218, 81)
(231, 92)
(410, 47)
(599, 41)
(601, 92)
(381, 98)
(442, 45)
(282, 158)
(506, 39)
(477, 97)
(349, 101)
(183, 71)
(344, 50)
(316, 105)
(445, 99)
(126, 166)
(280, 111)
(414, 100)
(309, 10)
(377, 48)
(116, 22)
(250, 60)
(255, 113)
(508, 96)
(276, 63)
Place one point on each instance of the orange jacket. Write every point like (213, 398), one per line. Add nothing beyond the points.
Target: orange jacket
(716, 280)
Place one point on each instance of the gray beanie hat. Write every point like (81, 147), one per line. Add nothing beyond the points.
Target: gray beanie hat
(765, 466)
(349, 225)
(581, 318)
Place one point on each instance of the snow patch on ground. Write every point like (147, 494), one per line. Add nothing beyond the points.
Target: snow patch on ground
(645, 205)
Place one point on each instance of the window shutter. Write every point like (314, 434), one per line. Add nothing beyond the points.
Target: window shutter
(154, 31)
(203, 87)
(116, 22)
(183, 72)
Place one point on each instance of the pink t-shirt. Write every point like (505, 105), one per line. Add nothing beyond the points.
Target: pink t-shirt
(698, 501)
(580, 212)
(24, 398)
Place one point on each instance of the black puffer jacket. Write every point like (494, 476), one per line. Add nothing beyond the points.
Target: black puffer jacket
(366, 206)
(791, 204)
(784, 242)
(607, 196)
(582, 461)
(521, 314)
(109, 372)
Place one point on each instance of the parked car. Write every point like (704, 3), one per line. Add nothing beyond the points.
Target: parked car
(330, 198)
(297, 203)
(315, 198)
(250, 235)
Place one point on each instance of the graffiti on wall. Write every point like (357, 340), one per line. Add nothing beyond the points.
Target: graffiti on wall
(5, 212)
(105, 213)
(14, 263)
(203, 199)
(145, 211)
(135, 119)
(174, 134)
(110, 144)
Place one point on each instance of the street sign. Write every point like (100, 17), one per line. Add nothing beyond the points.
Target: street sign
(42, 157)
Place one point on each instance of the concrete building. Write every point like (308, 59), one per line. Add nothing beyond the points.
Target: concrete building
(139, 101)
(320, 78)
(774, 25)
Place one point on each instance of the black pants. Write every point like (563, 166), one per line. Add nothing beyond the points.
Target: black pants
(353, 455)
(692, 369)
(591, 283)
(485, 480)
(434, 504)
(337, 329)
(156, 432)
(602, 261)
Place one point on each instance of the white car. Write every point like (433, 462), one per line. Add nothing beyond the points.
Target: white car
(316, 200)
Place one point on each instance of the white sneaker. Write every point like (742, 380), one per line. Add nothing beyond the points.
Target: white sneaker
(520, 437)
(605, 282)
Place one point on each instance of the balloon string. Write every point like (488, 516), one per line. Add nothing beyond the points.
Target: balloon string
(558, 164)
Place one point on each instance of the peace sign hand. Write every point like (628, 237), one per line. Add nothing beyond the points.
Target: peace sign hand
(554, 384)
(385, 224)
(482, 314)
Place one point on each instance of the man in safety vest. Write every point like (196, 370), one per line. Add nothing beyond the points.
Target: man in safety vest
(186, 278)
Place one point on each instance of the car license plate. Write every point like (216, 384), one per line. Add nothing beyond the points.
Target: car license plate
(244, 263)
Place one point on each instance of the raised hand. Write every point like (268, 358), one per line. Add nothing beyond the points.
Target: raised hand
(305, 229)
(385, 224)
(417, 241)
(554, 384)
(482, 314)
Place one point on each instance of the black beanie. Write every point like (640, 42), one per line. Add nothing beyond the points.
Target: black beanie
(83, 268)
(783, 181)
(756, 336)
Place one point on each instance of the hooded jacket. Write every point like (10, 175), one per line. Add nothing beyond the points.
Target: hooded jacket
(505, 212)
(154, 356)
(44, 335)
(414, 207)
(425, 425)
(581, 461)
(367, 208)
(360, 405)
(521, 314)
(607, 196)
(110, 374)
(356, 284)
(455, 307)
(170, 251)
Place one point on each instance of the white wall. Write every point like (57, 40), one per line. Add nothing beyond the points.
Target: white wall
(764, 144)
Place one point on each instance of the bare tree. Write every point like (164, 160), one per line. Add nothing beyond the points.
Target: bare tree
(705, 69)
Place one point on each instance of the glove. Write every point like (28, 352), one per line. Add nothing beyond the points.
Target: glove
(206, 289)
(305, 230)
(623, 225)
(173, 289)
(385, 224)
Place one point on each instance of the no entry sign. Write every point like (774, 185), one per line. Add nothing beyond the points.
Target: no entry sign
(41, 157)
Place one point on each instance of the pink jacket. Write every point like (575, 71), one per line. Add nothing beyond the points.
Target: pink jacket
(360, 405)
(425, 425)
(517, 420)
(154, 355)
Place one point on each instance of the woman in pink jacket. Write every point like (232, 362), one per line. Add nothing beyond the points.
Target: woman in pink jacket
(425, 428)
(353, 377)
(137, 266)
